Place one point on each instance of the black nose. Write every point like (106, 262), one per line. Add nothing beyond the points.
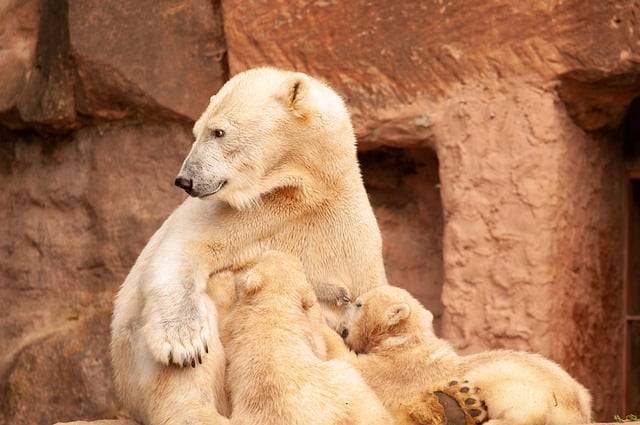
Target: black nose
(183, 183)
(344, 333)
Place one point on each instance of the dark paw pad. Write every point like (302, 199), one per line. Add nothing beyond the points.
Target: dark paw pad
(469, 398)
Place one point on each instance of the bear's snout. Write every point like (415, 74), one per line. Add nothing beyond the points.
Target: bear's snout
(185, 184)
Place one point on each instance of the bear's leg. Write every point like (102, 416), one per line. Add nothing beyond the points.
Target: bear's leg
(468, 397)
(155, 394)
(517, 402)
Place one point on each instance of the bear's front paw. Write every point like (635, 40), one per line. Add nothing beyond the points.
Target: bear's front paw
(180, 338)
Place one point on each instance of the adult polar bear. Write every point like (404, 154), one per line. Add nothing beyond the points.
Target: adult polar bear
(273, 166)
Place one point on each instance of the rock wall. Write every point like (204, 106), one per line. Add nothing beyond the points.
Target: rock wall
(488, 142)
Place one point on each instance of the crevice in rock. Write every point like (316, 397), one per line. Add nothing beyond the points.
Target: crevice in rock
(631, 133)
(218, 13)
(404, 189)
(597, 99)
(47, 98)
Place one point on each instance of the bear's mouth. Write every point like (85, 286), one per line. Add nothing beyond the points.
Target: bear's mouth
(214, 191)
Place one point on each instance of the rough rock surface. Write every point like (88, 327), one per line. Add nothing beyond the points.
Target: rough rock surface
(76, 212)
(488, 142)
(68, 63)
(105, 422)
(158, 55)
(393, 56)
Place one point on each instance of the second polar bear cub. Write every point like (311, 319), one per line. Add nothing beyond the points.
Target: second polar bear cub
(276, 370)
(400, 356)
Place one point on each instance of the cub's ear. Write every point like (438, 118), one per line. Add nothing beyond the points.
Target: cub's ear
(308, 299)
(295, 94)
(397, 313)
(250, 283)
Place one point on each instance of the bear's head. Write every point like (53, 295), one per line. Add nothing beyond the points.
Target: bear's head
(264, 129)
(384, 316)
(276, 280)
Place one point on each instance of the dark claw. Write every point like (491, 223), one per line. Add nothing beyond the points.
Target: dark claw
(475, 412)
(343, 297)
(452, 383)
(184, 363)
(199, 358)
(170, 357)
(193, 363)
(206, 348)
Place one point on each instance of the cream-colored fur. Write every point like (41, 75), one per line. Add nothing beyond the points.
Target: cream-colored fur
(276, 373)
(400, 356)
(273, 166)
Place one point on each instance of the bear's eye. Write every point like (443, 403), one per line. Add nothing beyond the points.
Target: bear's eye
(218, 133)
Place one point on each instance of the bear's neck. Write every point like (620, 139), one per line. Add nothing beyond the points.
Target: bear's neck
(326, 169)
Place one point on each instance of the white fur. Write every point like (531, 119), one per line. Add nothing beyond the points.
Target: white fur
(519, 388)
(293, 183)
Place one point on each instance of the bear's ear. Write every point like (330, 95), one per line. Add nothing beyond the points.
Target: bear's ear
(295, 94)
(250, 283)
(397, 313)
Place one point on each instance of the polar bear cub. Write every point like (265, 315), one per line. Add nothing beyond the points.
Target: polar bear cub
(399, 356)
(276, 373)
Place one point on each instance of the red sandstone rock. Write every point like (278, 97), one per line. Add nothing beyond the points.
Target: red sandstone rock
(37, 69)
(395, 56)
(106, 422)
(70, 62)
(19, 23)
(75, 214)
(596, 99)
(522, 235)
(150, 55)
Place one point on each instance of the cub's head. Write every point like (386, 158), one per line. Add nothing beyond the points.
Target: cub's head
(385, 315)
(259, 131)
(277, 279)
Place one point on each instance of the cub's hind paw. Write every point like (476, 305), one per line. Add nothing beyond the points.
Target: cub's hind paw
(470, 400)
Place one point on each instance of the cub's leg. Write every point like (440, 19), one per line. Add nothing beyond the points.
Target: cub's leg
(156, 394)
